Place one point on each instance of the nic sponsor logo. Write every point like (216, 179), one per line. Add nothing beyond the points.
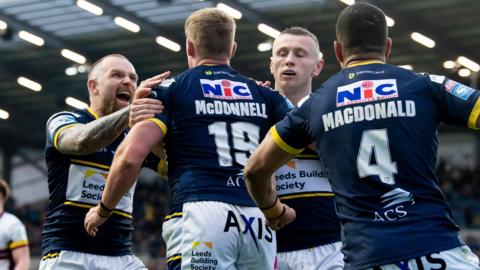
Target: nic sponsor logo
(225, 89)
(366, 91)
(394, 205)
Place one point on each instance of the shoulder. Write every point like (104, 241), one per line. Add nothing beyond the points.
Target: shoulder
(10, 220)
(63, 118)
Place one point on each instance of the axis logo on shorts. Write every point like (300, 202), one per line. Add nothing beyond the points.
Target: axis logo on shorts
(258, 231)
(366, 91)
(225, 89)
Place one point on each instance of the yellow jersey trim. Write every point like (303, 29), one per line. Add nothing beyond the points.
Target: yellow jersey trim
(280, 142)
(92, 112)
(89, 163)
(90, 206)
(55, 138)
(366, 62)
(17, 244)
(307, 156)
(472, 120)
(161, 169)
(160, 124)
(51, 255)
(308, 195)
(174, 215)
(173, 258)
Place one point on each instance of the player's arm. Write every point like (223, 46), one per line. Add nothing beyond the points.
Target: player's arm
(126, 165)
(21, 258)
(84, 139)
(266, 159)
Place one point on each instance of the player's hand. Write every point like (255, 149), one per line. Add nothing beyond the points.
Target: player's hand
(142, 107)
(288, 216)
(93, 221)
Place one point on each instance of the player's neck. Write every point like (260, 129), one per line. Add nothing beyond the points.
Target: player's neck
(95, 110)
(358, 58)
(294, 95)
(210, 61)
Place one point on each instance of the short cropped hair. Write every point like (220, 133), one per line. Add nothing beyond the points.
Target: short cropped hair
(212, 31)
(4, 189)
(362, 28)
(95, 66)
(301, 31)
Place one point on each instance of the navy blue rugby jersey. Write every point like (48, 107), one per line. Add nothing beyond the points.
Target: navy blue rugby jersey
(303, 184)
(214, 118)
(76, 184)
(376, 125)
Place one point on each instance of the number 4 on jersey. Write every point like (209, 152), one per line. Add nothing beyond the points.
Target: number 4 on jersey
(374, 146)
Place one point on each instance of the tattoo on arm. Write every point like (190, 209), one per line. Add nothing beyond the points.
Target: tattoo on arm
(88, 138)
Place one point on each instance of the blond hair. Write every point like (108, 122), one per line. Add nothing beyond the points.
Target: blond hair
(212, 31)
(4, 189)
(301, 31)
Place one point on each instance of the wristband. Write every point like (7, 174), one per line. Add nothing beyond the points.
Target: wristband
(270, 206)
(281, 214)
(103, 211)
(274, 211)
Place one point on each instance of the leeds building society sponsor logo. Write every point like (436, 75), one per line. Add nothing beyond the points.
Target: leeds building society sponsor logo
(225, 89)
(366, 91)
(394, 205)
(202, 256)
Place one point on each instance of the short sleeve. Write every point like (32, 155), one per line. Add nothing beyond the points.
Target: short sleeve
(291, 133)
(57, 123)
(164, 92)
(18, 235)
(458, 103)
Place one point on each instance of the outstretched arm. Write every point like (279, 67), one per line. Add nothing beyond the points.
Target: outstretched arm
(261, 185)
(124, 170)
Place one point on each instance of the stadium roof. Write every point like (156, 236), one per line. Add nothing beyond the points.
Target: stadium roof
(63, 24)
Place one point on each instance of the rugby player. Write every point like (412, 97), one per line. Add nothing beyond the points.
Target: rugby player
(79, 150)
(213, 120)
(14, 250)
(378, 122)
(312, 240)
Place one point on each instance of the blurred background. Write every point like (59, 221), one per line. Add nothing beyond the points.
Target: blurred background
(47, 46)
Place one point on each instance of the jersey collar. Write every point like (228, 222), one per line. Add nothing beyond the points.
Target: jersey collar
(93, 113)
(364, 62)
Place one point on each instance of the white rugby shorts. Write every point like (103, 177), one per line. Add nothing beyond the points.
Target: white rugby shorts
(324, 257)
(209, 235)
(72, 260)
(459, 258)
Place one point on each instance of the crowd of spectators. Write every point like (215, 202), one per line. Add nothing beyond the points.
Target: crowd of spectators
(460, 184)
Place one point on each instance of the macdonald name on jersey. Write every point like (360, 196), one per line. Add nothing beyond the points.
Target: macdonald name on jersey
(363, 92)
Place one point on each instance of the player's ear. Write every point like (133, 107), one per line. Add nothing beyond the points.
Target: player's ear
(318, 67)
(388, 48)
(234, 49)
(271, 65)
(92, 86)
(338, 52)
(190, 48)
